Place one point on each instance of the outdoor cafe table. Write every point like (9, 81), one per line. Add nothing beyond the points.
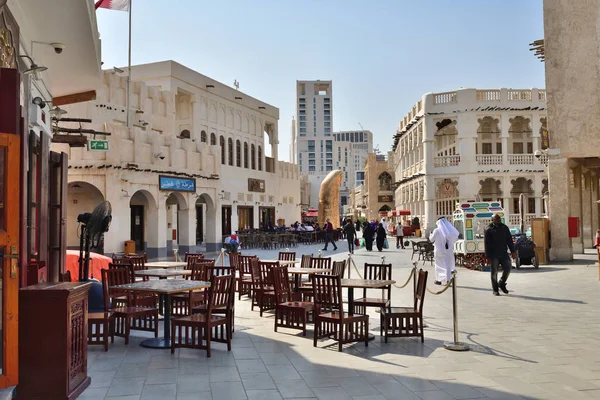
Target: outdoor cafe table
(298, 272)
(163, 273)
(284, 262)
(164, 288)
(350, 284)
(165, 264)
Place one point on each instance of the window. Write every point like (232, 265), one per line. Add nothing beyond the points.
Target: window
(302, 112)
(328, 155)
(302, 118)
(301, 100)
(327, 124)
(245, 155)
(302, 130)
(238, 153)
(385, 181)
(327, 112)
(311, 155)
(260, 158)
(327, 118)
(327, 130)
(328, 162)
(311, 169)
(230, 146)
(253, 157)
(515, 205)
(203, 137)
(328, 168)
(362, 137)
(302, 106)
(531, 205)
(529, 147)
(326, 100)
(517, 148)
(329, 145)
(303, 124)
(223, 150)
(311, 145)
(311, 162)
(498, 148)
(486, 148)
(213, 139)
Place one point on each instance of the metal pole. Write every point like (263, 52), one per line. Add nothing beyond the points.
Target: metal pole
(349, 262)
(456, 345)
(129, 68)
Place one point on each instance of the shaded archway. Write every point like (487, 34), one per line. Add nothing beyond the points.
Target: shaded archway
(489, 190)
(178, 222)
(522, 186)
(82, 197)
(206, 222)
(144, 223)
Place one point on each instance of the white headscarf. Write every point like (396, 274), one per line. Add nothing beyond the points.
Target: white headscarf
(447, 231)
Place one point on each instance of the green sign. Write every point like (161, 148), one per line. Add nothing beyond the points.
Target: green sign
(98, 145)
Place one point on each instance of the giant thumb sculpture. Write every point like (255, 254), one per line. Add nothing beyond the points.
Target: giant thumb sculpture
(329, 198)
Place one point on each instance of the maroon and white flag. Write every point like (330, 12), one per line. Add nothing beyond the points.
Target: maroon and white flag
(121, 5)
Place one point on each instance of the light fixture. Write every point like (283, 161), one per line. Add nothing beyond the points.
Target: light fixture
(33, 67)
(126, 193)
(57, 112)
(38, 101)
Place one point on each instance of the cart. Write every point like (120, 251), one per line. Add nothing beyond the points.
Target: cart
(471, 219)
(525, 249)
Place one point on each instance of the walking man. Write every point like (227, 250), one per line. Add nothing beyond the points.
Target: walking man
(443, 238)
(399, 235)
(329, 235)
(497, 240)
(350, 235)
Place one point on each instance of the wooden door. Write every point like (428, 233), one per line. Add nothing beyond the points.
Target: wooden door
(137, 226)
(57, 238)
(9, 250)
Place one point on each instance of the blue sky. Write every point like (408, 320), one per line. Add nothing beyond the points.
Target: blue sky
(381, 55)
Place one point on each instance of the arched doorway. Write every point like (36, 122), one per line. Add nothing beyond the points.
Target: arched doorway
(206, 221)
(177, 222)
(489, 190)
(82, 197)
(144, 222)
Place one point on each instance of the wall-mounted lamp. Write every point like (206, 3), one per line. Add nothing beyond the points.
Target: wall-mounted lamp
(159, 155)
(126, 193)
(38, 101)
(279, 204)
(221, 196)
(258, 203)
(33, 67)
(235, 202)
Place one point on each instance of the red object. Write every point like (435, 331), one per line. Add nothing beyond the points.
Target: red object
(403, 212)
(36, 272)
(311, 214)
(97, 263)
(121, 5)
(597, 241)
(573, 223)
(470, 215)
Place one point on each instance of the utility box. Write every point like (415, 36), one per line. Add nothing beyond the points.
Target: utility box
(129, 247)
(573, 224)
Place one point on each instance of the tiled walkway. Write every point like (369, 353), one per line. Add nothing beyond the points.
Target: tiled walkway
(539, 342)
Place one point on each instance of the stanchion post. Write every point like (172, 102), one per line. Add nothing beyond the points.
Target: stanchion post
(222, 257)
(349, 262)
(456, 345)
(320, 254)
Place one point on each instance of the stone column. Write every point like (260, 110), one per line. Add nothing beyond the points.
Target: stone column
(506, 199)
(576, 208)
(558, 187)
(160, 251)
(429, 204)
(594, 204)
(586, 212)
(120, 227)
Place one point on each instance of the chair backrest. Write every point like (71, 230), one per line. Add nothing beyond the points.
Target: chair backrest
(113, 277)
(320, 262)
(138, 261)
(234, 259)
(266, 273)
(281, 283)
(305, 263)
(379, 272)
(287, 256)
(220, 270)
(65, 277)
(192, 255)
(200, 269)
(420, 292)
(121, 261)
(220, 292)
(338, 268)
(327, 292)
(415, 245)
(244, 265)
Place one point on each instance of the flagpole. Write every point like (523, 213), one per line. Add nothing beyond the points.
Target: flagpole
(129, 67)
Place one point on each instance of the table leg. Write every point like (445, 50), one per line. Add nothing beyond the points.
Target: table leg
(351, 307)
(297, 287)
(165, 341)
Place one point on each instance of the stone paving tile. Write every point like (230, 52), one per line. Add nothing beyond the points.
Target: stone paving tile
(519, 349)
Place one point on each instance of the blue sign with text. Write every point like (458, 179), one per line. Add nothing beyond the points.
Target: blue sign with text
(176, 184)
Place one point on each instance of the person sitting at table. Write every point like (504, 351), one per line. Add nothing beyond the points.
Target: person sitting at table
(309, 228)
(301, 228)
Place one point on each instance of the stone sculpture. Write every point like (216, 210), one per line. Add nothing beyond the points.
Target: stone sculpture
(329, 198)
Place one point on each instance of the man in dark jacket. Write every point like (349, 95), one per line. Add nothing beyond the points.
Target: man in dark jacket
(497, 240)
(329, 235)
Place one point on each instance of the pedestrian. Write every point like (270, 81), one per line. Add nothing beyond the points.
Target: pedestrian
(443, 238)
(350, 235)
(399, 235)
(329, 235)
(384, 224)
(497, 240)
(368, 233)
(381, 236)
(357, 225)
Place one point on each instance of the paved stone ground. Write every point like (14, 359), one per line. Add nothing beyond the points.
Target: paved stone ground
(538, 342)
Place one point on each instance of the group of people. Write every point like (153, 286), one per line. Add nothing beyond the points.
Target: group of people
(373, 231)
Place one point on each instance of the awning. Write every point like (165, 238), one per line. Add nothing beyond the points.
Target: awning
(402, 212)
(311, 214)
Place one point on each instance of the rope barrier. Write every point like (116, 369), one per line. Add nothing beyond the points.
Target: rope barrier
(444, 289)
(412, 273)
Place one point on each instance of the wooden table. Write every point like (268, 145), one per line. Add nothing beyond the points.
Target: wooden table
(284, 262)
(298, 272)
(350, 284)
(163, 273)
(166, 264)
(164, 288)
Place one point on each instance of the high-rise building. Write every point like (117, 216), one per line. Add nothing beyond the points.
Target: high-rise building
(312, 137)
(351, 150)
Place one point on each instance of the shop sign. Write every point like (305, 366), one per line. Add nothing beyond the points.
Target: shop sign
(385, 199)
(98, 145)
(545, 138)
(175, 184)
(256, 185)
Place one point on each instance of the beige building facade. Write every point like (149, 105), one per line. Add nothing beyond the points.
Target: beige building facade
(573, 82)
(375, 198)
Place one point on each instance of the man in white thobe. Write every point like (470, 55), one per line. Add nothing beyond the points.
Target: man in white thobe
(443, 238)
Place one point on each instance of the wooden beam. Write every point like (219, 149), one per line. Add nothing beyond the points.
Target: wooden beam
(74, 98)
(71, 140)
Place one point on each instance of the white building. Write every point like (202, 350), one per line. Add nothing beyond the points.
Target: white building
(312, 139)
(350, 152)
(471, 144)
(188, 130)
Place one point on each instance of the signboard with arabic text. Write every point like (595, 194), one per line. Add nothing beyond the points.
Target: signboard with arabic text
(175, 184)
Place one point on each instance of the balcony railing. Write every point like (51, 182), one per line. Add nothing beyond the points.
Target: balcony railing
(489, 159)
(446, 161)
(488, 95)
(514, 220)
(524, 95)
(520, 159)
(442, 98)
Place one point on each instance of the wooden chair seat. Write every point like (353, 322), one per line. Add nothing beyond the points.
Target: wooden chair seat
(288, 313)
(336, 316)
(100, 327)
(297, 304)
(371, 302)
(200, 318)
(400, 310)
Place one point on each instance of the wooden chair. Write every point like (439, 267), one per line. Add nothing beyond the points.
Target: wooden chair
(189, 256)
(288, 313)
(406, 321)
(263, 292)
(315, 262)
(139, 263)
(287, 256)
(320, 262)
(126, 318)
(195, 331)
(65, 277)
(122, 301)
(180, 302)
(415, 250)
(330, 319)
(375, 272)
(427, 252)
(338, 268)
(305, 261)
(244, 279)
